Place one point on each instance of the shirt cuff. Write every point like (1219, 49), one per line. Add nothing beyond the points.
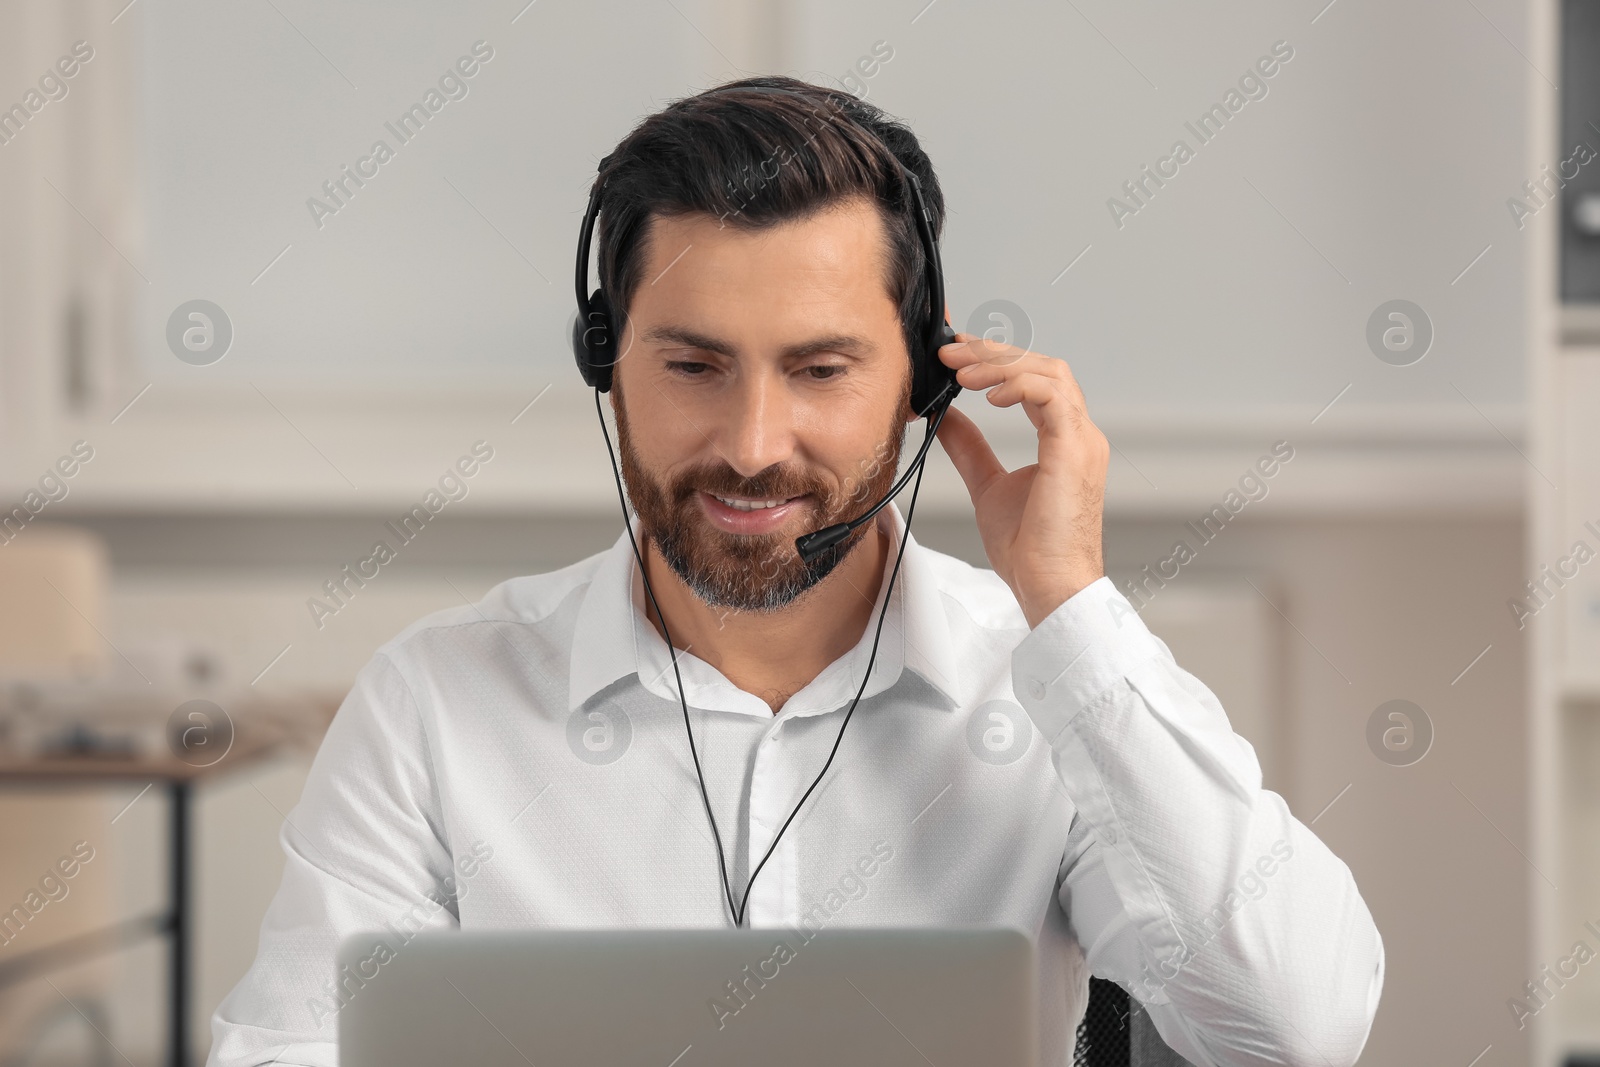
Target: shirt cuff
(1078, 652)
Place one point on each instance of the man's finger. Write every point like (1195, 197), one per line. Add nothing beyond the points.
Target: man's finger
(967, 349)
(964, 443)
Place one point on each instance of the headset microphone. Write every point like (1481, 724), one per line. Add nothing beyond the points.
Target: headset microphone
(814, 544)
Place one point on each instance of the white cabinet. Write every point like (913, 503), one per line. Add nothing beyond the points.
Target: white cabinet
(70, 229)
(427, 300)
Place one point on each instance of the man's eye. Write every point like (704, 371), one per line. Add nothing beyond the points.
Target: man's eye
(686, 367)
(827, 370)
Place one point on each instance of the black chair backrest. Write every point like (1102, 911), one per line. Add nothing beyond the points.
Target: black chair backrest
(1116, 1031)
(1103, 1033)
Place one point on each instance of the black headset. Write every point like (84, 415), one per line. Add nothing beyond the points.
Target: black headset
(933, 387)
(594, 333)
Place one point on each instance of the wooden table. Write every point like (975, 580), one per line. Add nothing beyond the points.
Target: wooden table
(261, 729)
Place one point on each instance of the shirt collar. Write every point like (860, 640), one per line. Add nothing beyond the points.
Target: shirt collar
(613, 639)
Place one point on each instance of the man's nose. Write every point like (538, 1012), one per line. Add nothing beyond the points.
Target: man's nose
(759, 426)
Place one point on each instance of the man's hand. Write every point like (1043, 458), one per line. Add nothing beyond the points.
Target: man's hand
(1041, 524)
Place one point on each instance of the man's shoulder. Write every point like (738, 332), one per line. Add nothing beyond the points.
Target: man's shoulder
(526, 601)
(978, 591)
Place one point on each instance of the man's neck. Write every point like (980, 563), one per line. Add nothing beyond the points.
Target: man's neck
(774, 654)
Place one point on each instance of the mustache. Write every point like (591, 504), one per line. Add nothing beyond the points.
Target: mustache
(768, 485)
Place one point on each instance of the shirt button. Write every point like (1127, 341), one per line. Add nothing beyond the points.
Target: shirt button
(1111, 835)
(1036, 689)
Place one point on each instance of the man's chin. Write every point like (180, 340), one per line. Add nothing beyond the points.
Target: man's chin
(742, 572)
(762, 554)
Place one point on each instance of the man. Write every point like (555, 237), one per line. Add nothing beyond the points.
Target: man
(1025, 751)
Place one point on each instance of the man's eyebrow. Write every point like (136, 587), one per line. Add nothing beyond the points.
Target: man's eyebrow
(849, 344)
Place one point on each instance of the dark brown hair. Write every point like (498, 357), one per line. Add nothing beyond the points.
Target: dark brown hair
(758, 152)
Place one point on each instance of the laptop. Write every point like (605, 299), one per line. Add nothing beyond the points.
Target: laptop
(689, 998)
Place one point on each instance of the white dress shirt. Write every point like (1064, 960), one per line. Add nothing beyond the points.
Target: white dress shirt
(521, 762)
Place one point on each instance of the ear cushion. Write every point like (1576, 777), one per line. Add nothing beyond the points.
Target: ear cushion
(593, 342)
(930, 377)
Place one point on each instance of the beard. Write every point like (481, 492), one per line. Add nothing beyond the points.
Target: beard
(754, 572)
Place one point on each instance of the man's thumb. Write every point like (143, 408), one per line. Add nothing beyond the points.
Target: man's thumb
(967, 448)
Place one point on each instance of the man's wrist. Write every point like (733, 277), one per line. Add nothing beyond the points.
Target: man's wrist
(1039, 604)
(1081, 649)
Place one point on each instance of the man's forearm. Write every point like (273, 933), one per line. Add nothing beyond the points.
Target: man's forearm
(1250, 941)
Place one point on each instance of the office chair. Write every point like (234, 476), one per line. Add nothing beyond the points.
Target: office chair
(1117, 1032)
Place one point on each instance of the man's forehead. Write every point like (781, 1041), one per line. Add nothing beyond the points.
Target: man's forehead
(846, 237)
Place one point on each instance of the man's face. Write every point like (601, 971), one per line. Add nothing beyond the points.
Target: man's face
(758, 367)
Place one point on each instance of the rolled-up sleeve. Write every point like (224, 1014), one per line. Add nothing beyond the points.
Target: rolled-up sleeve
(1185, 881)
(364, 851)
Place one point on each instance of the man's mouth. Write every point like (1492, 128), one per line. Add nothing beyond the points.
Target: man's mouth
(750, 516)
(743, 504)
